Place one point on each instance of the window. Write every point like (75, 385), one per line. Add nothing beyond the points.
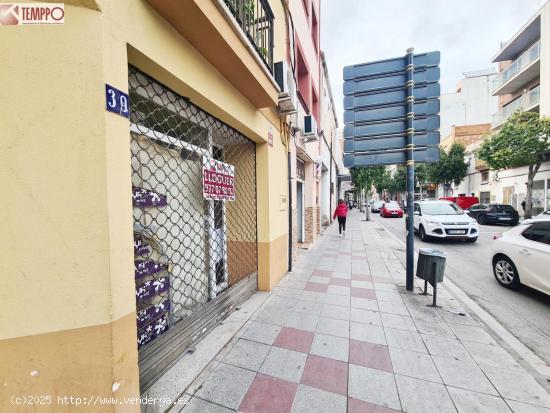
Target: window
(485, 177)
(484, 197)
(538, 232)
(538, 196)
(442, 208)
(416, 208)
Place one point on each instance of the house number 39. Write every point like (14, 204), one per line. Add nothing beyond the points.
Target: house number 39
(117, 101)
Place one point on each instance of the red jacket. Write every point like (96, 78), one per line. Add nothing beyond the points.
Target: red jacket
(341, 210)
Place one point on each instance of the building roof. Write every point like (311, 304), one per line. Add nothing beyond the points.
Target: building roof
(481, 72)
(522, 39)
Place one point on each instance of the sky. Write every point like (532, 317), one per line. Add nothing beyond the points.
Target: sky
(468, 33)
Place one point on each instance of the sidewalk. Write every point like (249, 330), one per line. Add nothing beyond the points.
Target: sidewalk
(341, 334)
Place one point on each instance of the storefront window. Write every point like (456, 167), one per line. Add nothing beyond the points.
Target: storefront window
(538, 197)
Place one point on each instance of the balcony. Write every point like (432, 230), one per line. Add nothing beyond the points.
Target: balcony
(256, 20)
(234, 36)
(527, 102)
(522, 70)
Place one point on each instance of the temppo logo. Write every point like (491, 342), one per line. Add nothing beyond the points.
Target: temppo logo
(17, 14)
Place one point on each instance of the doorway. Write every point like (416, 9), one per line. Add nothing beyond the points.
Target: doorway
(300, 211)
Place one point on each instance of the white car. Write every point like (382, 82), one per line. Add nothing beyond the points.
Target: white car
(443, 219)
(543, 216)
(521, 255)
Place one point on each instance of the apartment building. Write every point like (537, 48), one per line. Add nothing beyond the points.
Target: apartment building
(466, 118)
(304, 63)
(148, 193)
(471, 103)
(329, 147)
(523, 83)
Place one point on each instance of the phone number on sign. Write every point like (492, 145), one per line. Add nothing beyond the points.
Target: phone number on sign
(47, 400)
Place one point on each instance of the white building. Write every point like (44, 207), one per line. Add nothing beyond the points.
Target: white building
(523, 82)
(329, 149)
(471, 104)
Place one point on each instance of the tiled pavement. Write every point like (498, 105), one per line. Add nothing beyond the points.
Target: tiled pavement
(341, 334)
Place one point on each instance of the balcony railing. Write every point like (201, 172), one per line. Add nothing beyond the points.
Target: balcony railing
(255, 18)
(528, 57)
(524, 102)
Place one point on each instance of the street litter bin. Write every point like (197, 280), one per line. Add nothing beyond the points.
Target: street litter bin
(431, 268)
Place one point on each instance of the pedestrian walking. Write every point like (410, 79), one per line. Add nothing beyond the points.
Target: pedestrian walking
(341, 212)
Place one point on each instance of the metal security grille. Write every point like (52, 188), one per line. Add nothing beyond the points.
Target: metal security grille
(194, 195)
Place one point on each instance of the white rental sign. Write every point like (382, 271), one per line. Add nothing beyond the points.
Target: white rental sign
(218, 180)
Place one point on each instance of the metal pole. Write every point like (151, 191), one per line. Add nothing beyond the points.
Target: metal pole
(410, 170)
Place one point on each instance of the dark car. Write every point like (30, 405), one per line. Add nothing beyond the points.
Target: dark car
(494, 214)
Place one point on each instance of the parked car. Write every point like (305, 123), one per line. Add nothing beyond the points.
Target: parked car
(494, 214)
(463, 202)
(391, 209)
(443, 219)
(521, 255)
(376, 205)
(543, 216)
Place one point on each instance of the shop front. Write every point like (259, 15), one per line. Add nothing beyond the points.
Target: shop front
(194, 214)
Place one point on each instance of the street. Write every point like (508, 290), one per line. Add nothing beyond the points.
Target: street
(524, 313)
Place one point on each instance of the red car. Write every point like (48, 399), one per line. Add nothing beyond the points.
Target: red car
(391, 209)
(463, 202)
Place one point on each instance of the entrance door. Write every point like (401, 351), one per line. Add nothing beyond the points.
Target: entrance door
(218, 240)
(300, 210)
(507, 193)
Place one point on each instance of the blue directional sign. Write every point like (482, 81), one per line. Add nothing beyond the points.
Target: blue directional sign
(389, 142)
(385, 157)
(376, 130)
(363, 85)
(383, 67)
(398, 111)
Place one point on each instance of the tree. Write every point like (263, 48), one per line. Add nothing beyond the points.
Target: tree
(366, 177)
(398, 181)
(523, 140)
(451, 167)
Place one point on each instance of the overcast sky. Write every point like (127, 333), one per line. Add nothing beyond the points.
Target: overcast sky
(467, 32)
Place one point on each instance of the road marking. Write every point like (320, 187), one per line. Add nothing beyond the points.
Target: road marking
(521, 349)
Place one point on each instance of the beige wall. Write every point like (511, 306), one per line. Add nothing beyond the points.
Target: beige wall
(67, 259)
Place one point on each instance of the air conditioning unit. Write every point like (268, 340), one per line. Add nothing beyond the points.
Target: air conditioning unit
(288, 99)
(310, 125)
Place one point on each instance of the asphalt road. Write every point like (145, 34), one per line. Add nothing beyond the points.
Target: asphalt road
(525, 313)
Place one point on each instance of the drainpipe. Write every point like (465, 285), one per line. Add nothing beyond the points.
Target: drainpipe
(289, 170)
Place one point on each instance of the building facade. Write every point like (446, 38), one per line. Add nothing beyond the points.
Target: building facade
(523, 83)
(329, 149)
(148, 193)
(471, 103)
(304, 64)
(465, 118)
(476, 180)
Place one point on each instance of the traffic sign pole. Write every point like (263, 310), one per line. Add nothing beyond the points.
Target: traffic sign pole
(410, 170)
(391, 118)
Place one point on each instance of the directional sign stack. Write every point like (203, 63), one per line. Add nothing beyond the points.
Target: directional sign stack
(375, 117)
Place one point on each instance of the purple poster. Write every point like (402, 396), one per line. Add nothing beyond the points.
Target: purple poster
(147, 267)
(146, 198)
(151, 288)
(151, 312)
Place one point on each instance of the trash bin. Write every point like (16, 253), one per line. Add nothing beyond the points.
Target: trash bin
(431, 265)
(431, 268)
